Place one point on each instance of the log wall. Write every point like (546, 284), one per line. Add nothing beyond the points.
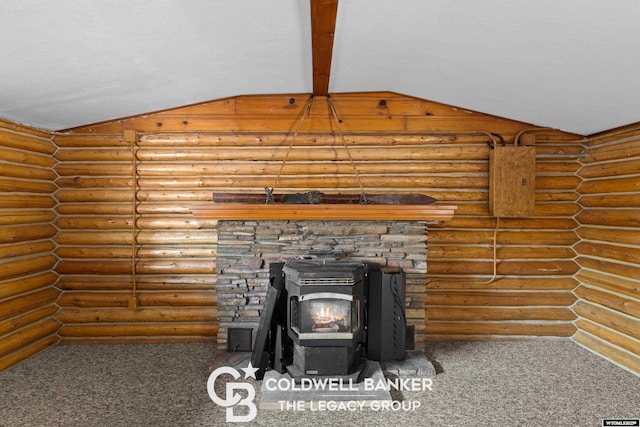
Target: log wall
(609, 249)
(134, 266)
(398, 144)
(27, 259)
(104, 208)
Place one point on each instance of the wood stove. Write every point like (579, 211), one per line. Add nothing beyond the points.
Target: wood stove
(325, 315)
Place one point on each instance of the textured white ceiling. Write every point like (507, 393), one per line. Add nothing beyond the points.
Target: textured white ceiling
(73, 62)
(572, 65)
(568, 64)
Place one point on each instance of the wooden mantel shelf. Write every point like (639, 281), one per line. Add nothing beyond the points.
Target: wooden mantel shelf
(327, 212)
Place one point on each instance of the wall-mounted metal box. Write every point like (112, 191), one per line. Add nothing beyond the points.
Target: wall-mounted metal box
(512, 181)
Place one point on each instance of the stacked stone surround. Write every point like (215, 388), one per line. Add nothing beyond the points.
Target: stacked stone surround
(246, 248)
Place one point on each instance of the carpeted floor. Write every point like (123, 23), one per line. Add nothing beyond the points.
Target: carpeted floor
(479, 384)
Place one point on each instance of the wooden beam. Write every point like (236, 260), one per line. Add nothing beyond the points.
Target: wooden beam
(323, 23)
(323, 212)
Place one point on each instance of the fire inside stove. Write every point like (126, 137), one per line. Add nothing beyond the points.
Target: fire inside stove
(328, 316)
(325, 315)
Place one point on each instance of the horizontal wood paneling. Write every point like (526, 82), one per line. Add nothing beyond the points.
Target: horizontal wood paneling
(25, 249)
(36, 331)
(26, 284)
(26, 201)
(23, 303)
(238, 145)
(507, 328)
(610, 300)
(206, 330)
(146, 298)
(27, 258)
(145, 283)
(533, 298)
(502, 298)
(609, 250)
(479, 313)
(18, 322)
(174, 255)
(602, 280)
(510, 283)
(145, 314)
(605, 347)
(24, 266)
(621, 235)
(28, 350)
(610, 335)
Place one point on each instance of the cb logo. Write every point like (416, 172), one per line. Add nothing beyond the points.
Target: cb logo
(231, 398)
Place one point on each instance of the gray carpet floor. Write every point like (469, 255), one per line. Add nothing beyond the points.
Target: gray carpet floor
(530, 383)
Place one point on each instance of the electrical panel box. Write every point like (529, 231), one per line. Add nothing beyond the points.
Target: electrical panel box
(512, 181)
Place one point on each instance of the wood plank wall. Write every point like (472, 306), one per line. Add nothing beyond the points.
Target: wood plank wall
(98, 246)
(398, 143)
(27, 259)
(609, 250)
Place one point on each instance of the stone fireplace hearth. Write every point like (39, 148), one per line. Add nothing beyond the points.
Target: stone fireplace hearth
(246, 248)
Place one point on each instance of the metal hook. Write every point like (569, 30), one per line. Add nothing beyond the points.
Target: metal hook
(269, 195)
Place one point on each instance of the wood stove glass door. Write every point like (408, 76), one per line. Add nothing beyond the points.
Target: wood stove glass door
(325, 315)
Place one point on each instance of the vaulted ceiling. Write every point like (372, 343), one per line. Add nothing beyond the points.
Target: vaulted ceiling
(570, 64)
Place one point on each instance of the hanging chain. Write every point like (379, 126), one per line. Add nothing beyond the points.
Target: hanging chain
(334, 114)
(305, 113)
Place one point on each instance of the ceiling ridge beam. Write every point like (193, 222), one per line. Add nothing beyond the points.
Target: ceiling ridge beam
(323, 24)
